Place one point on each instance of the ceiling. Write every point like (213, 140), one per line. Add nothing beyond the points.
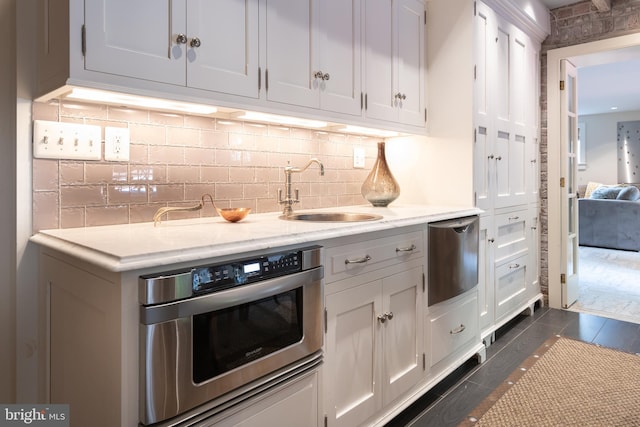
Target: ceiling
(607, 82)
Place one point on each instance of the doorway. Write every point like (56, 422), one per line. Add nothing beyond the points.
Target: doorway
(604, 51)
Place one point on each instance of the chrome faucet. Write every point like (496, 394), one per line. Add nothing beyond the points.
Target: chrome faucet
(289, 200)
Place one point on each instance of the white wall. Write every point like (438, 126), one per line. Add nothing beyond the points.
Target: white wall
(601, 141)
(7, 200)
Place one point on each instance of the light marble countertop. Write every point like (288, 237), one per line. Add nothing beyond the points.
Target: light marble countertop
(135, 246)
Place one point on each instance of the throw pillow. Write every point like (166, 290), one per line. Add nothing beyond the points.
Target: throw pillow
(590, 187)
(629, 193)
(606, 192)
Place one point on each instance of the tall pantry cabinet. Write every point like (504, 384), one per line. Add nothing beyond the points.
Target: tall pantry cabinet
(496, 65)
(506, 174)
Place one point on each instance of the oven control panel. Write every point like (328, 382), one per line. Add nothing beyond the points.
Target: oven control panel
(236, 273)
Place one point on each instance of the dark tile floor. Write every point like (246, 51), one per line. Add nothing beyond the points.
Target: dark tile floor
(449, 402)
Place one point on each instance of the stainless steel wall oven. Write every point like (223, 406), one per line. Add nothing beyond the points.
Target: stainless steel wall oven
(217, 334)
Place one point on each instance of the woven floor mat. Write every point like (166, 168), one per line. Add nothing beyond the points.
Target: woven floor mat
(566, 383)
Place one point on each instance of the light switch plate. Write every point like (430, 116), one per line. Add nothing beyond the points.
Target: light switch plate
(73, 141)
(358, 157)
(116, 144)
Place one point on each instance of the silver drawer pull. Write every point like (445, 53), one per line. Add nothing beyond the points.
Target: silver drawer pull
(514, 218)
(358, 261)
(514, 265)
(457, 330)
(409, 249)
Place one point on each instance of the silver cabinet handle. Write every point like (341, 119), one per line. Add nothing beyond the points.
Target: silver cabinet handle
(181, 39)
(358, 260)
(195, 42)
(457, 330)
(409, 249)
(401, 96)
(322, 76)
(514, 266)
(384, 317)
(514, 218)
(499, 158)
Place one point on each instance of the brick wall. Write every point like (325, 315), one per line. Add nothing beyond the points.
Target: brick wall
(176, 158)
(571, 25)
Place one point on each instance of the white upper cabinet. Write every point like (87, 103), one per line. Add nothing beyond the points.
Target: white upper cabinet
(227, 58)
(395, 61)
(313, 54)
(292, 57)
(504, 112)
(290, 43)
(205, 45)
(136, 39)
(339, 56)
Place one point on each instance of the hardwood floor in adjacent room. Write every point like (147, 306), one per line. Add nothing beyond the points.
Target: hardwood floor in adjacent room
(449, 402)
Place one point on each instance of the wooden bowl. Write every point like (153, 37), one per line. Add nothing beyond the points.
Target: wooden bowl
(233, 214)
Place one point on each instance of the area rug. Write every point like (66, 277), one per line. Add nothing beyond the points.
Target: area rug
(566, 383)
(608, 284)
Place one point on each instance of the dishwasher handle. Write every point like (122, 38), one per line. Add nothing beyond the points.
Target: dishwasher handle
(459, 225)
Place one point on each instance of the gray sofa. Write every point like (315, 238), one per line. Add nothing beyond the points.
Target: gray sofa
(609, 223)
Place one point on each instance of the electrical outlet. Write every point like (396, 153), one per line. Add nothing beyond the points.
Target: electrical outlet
(358, 157)
(116, 144)
(56, 140)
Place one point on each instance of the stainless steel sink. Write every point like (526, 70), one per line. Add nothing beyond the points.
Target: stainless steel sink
(331, 217)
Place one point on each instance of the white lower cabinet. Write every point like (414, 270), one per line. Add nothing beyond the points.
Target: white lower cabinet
(509, 267)
(486, 273)
(373, 345)
(510, 286)
(453, 325)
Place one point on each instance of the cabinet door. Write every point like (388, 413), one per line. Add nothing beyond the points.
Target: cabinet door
(512, 90)
(290, 42)
(227, 58)
(410, 60)
(379, 61)
(533, 279)
(484, 157)
(394, 60)
(402, 332)
(511, 287)
(485, 272)
(339, 56)
(137, 39)
(352, 349)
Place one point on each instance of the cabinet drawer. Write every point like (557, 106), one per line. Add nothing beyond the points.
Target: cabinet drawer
(511, 286)
(511, 235)
(358, 258)
(452, 326)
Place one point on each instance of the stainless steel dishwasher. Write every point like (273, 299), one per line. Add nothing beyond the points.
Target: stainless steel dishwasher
(453, 258)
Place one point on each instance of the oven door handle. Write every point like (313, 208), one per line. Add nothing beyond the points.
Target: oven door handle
(150, 315)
